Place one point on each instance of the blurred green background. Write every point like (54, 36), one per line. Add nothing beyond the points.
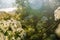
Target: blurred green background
(37, 18)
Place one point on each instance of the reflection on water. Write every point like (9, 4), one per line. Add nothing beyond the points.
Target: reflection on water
(36, 4)
(7, 3)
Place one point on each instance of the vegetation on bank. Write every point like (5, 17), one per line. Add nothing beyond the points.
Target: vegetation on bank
(37, 24)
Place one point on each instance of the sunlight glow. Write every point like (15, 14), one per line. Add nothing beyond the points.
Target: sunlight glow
(8, 9)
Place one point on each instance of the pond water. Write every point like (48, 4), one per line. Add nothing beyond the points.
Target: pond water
(7, 3)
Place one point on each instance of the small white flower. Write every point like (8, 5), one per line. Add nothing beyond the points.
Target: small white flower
(6, 38)
(18, 38)
(1, 36)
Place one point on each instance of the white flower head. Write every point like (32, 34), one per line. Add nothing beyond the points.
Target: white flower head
(11, 27)
(57, 13)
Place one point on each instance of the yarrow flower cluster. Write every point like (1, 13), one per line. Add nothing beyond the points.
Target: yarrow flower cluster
(57, 17)
(11, 30)
(57, 14)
